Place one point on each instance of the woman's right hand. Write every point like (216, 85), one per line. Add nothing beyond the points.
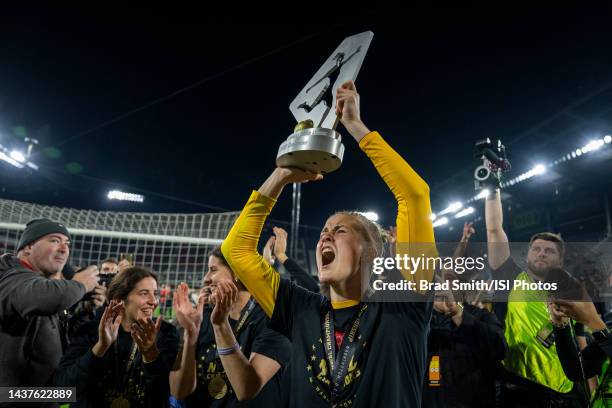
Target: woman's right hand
(290, 175)
(108, 327)
(189, 318)
(557, 316)
(581, 311)
(281, 176)
(226, 294)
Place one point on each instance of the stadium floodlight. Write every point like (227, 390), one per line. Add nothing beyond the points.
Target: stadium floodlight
(18, 156)
(123, 196)
(433, 216)
(464, 212)
(439, 222)
(5, 157)
(539, 169)
(484, 193)
(452, 208)
(535, 171)
(592, 145)
(370, 215)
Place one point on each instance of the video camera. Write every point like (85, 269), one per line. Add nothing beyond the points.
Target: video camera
(494, 164)
(105, 279)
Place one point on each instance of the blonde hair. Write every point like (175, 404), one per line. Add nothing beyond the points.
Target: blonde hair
(372, 233)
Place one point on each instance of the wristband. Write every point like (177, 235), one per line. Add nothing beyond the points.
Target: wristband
(601, 335)
(228, 350)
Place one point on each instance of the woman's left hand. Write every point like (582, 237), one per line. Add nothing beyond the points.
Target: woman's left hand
(347, 110)
(144, 333)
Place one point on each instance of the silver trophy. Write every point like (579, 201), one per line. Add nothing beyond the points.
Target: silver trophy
(315, 145)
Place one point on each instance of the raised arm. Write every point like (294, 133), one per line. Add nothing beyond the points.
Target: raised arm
(413, 222)
(29, 293)
(183, 380)
(299, 274)
(498, 247)
(240, 246)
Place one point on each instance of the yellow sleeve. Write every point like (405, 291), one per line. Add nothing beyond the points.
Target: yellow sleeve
(240, 251)
(415, 235)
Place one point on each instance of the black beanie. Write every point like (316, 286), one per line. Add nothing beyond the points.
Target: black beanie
(38, 228)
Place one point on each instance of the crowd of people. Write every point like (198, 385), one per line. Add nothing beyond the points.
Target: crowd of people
(257, 338)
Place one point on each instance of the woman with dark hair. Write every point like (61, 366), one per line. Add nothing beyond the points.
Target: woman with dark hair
(229, 356)
(124, 359)
(345, 351)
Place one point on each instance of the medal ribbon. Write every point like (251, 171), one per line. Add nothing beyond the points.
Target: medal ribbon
(339, 362)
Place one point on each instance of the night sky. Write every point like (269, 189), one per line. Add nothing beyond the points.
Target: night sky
(95, 87)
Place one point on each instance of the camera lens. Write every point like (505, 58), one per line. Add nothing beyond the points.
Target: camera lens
(481, 173)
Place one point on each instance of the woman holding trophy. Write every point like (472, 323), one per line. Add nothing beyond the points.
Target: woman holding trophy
(346, 352)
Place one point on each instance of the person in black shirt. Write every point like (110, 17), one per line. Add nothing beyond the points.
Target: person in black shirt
(465, 345)
(275, 250)
(125, 358)
(588, 362)
(88, 309)
(346, 351)
(229, 356)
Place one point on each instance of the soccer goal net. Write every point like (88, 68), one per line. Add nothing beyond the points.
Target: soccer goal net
(176, 246)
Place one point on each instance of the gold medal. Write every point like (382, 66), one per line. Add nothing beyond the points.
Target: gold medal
(120, 402)
(217, 388)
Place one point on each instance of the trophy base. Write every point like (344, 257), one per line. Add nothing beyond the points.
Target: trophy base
(318, 150)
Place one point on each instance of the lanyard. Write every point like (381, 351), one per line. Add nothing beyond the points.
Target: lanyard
(246, 311)
(339, 362)
(121, 386)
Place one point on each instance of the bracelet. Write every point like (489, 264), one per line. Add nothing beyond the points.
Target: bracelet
(459, 309)
(228, 350)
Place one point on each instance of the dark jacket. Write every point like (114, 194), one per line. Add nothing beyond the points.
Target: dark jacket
(467, 359)
(30, 339)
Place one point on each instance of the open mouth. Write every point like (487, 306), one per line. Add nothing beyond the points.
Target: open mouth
(327, 256)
